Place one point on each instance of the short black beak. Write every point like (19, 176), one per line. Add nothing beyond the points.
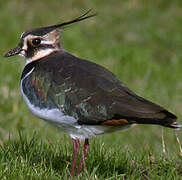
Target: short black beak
(14, 51)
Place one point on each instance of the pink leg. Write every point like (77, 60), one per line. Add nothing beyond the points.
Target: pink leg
(84, 153)
(76, 149)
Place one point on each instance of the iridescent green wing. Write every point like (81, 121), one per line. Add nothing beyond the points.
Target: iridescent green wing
(90, 93)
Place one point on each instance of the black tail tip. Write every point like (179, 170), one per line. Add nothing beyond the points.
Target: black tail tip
(175, 126)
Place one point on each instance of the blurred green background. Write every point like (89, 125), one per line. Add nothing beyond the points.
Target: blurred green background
(140, 41)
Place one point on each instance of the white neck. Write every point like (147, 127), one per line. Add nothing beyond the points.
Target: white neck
(40, 54)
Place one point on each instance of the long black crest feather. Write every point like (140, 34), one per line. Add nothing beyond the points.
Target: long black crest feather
(44, 30)
(80, 18)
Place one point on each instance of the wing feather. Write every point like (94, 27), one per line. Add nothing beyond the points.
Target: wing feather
(92, 94)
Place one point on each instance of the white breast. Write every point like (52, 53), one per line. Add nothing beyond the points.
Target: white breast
(51, 115)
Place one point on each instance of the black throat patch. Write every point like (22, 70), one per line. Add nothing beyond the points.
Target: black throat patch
(28, 68)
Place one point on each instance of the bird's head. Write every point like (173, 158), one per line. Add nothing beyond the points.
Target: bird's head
(37, 43)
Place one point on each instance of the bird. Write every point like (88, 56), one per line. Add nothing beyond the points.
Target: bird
(80, 97)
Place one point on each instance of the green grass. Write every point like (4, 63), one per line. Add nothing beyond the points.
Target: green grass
(35, 159)
(140, 41)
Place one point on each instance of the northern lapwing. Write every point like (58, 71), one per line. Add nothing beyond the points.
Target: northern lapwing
(80, 97)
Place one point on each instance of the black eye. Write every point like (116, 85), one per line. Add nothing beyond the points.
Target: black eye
(36, 41)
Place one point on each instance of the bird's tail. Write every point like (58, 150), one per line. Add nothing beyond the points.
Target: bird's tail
(168, 120)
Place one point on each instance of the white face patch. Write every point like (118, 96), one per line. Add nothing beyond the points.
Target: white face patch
(40, 54)
(48, 39)
(47, 42)
(24, 47)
